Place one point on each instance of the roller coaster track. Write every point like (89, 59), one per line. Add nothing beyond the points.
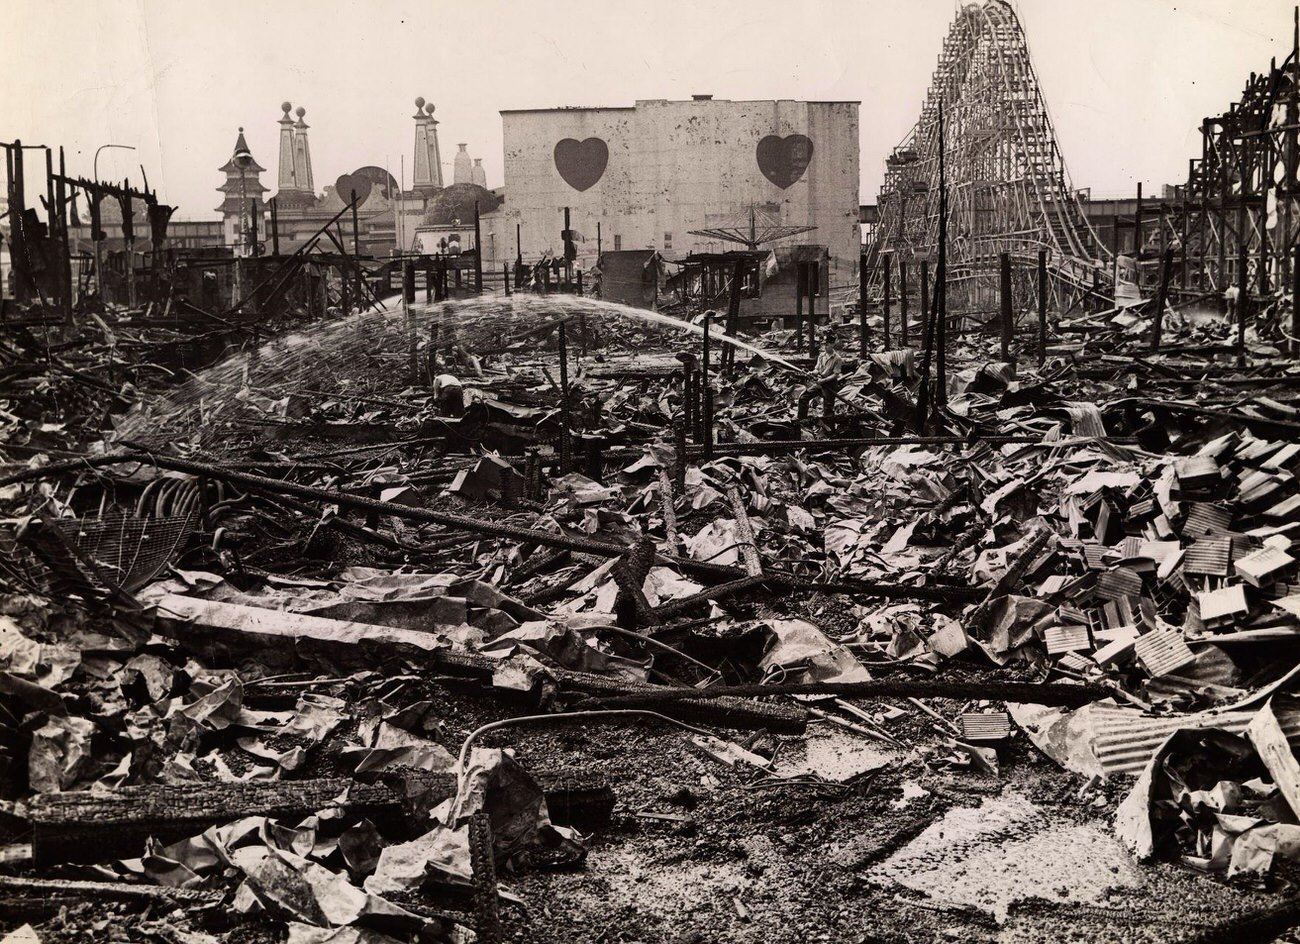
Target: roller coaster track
(1008, 188)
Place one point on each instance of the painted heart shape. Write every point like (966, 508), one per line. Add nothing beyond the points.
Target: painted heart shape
(784, 160)
(581, 163)
(349, 182)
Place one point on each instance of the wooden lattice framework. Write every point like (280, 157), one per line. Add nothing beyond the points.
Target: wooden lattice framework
(1009, 191)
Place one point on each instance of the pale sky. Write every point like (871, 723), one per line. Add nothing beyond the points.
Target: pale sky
(1126, 81)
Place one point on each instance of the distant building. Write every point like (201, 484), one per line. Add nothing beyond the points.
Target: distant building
(651, 174)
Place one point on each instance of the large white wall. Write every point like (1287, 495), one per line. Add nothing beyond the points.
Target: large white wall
(678, 166)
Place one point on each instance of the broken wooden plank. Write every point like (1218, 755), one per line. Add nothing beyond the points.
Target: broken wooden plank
(1265, 732)
(744, 531)
(208, 625)
(48, 889)
(668, 504)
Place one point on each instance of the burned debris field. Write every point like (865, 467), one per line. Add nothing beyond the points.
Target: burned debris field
(367, 580)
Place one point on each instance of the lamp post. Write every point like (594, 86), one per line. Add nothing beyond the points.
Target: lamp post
(242, 157)
(99, 278)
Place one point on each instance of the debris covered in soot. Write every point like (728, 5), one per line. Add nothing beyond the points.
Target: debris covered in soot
(536, 616)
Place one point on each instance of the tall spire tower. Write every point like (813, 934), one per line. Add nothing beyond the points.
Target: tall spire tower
(463, 168)
(428, 162)
(422, 180)
(435, 156)
(287, 179)
(302, 154)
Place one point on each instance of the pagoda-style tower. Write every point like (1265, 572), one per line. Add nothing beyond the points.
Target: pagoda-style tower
(242, 189)
(428, 160)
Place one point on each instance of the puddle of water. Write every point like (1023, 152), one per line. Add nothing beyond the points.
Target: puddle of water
(833, 754)
(1009, 850)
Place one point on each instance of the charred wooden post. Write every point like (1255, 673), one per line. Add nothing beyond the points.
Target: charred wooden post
(801, 276)
(744, 531)
(1162, 295)
(813, 284)
(679, 462)
(631, 608)
(1004, 264)
(886, 302)
(708, 422)
(356, 247)
(275, 226)
(862, 306)
(925, 303)
(478, 253)
(1042, 307)
(487, 916)
(565, 418)
(1295, 301)
(505, 277)
(902, 301)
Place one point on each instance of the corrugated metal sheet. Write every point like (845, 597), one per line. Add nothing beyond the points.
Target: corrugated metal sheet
(1126, 738)
(985, 726)
(1118, 584)
(1075, 662)
(1059, 639)
(1209, 556)
(1204, 518)
(1163, 652)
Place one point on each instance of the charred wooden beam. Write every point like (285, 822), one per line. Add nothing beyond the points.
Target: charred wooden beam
(95, 827)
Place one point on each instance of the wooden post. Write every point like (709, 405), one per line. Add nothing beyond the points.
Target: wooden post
(813, 283)
(902, 301)
(862, 306)
(1295, 299)
(599, 245)
(925, 300)
(356, 247)
(886, 302)
(1166, 276)
(478, 254)
(568, 263)
(733, 315)
(65, 251)
(1243, 281)
(505, 277)
(801, 276)
(275, 226)
(1004, 261)
(1137, 239)
(564, 401)
(1042, 307)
